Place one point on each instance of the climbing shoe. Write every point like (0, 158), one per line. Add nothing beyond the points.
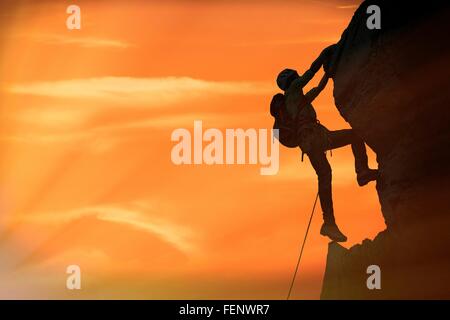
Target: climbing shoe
(332, 231)
(366, 176)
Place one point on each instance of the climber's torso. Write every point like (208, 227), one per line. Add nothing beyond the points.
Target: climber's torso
(296, 104)
(310, 134)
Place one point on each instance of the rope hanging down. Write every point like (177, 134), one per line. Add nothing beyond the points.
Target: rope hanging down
(303, 246)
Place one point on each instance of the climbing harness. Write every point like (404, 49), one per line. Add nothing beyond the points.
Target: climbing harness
(303, 246)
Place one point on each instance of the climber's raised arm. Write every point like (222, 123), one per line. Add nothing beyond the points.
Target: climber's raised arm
(314, 92)
(315, 66)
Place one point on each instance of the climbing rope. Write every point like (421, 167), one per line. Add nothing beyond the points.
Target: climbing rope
(303, 246)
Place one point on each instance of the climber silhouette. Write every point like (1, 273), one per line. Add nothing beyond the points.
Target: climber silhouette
(298, 126)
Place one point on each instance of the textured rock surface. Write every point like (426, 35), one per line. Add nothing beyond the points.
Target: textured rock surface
(393, 87)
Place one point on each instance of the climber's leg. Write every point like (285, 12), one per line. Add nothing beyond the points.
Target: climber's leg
(322, 167)
(340, 138)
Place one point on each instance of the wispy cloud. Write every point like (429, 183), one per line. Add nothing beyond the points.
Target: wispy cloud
(99, 139)
(340, 4)
(138, 216)
(352, 6)
(69, 119)
(85, 42)
(148, 91)
(53, 117)
(289, 42)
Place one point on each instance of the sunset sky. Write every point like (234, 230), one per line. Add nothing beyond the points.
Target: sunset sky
(86, 176)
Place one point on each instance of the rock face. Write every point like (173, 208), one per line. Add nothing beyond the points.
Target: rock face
(393, 87)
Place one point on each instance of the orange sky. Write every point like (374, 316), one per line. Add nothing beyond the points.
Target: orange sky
(86, 176)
